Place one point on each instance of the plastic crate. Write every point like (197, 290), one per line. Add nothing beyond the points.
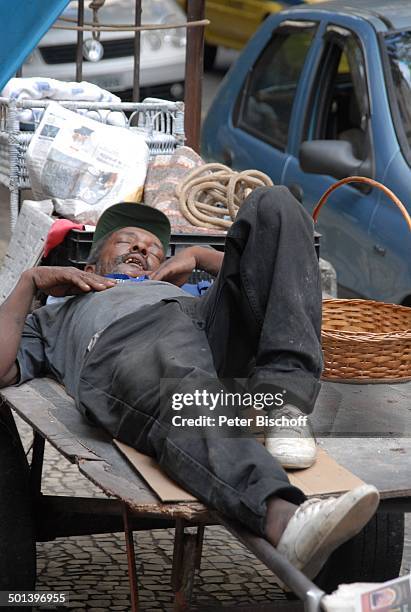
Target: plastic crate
(73, 251)
(75, 248)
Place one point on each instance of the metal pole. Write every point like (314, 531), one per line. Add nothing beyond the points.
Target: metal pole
(36, 468)
(80, 34)
(305, 590)
(131, 560)
(136, 79)
(194, 74)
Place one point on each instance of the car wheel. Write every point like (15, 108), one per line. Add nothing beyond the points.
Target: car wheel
(210, 54)
(373, 555)
(17, 535)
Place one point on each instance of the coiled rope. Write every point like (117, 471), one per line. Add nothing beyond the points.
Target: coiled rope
(211, 195)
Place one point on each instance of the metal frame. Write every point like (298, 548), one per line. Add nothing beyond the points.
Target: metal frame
(163, 127)
(193, 71)
(305, 590)
(14, 142)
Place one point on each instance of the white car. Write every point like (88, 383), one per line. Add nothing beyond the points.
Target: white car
(162, 60)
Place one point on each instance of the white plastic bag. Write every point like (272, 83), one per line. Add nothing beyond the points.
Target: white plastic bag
(85, 166)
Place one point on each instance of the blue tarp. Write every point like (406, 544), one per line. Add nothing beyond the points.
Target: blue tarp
(22, 25)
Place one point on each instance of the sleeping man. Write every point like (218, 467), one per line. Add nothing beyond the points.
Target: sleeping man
(125, 349)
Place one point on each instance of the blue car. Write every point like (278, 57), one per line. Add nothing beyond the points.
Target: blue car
(322, 92)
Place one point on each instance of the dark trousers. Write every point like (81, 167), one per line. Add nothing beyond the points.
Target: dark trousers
(260, 320)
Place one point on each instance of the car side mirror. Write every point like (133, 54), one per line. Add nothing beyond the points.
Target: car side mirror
(333, 157)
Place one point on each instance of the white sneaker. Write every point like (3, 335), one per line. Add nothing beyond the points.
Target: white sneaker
(319, 526)
(292, 444)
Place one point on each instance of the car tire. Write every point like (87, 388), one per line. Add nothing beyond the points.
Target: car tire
(210, 54)
(17, 533)
(373, 555)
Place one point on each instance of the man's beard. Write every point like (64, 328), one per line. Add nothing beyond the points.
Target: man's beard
(111, 268)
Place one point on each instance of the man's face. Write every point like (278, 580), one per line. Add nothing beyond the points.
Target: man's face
(132, 251)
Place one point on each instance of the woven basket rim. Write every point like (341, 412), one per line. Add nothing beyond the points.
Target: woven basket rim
(366, 380)
(363, 301)
(366, 336)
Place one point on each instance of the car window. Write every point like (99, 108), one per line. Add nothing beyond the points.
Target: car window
(267, 100)
(340, 105)
(397, 55)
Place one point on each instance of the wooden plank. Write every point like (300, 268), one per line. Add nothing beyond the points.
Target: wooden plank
(147, 504)
(344, 412)
(44, 405)
(363, 411)
(383, 462)
(38, 413)
(367, 429)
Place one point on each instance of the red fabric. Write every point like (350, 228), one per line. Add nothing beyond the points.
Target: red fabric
(58, 232)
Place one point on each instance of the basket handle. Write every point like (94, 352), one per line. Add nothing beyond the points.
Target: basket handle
(368, 181)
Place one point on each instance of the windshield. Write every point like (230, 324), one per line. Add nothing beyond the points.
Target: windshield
(398, 47)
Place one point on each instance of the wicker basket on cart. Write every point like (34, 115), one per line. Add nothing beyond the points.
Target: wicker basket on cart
(365, 341)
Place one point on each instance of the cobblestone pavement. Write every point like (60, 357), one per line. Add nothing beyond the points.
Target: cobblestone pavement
(94, 568)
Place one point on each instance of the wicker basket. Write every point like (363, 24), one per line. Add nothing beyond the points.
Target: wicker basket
(365, 341)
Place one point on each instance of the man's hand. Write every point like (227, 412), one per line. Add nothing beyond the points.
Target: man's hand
(63, 281)
(177, 269)
(55, 281)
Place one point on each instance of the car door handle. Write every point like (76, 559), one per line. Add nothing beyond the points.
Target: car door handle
(297, 191)
(379, 250)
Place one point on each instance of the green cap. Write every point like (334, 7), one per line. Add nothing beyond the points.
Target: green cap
(130, 214)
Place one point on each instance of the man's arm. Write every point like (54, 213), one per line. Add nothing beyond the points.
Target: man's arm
(208, 260)
(52, 280)
(177, 269)
(13, 313)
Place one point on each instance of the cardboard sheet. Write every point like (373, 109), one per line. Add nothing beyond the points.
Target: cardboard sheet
(166, 489)
(325, 477)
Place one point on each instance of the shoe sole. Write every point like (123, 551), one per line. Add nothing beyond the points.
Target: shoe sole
(352, 518)
(292, 464)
